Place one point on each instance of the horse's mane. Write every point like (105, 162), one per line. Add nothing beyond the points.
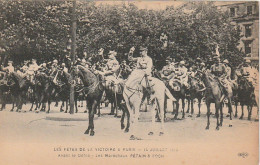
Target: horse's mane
(86, 75)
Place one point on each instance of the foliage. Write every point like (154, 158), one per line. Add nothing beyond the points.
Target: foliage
(41, 29)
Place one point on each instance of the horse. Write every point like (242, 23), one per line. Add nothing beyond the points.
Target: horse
(245, 95)
(179, 92)
(19, 89)
(195, 92)
(46, 88)
(94, 89)
(64, 81)
(4, 90)
(133, 95)
(213, 94)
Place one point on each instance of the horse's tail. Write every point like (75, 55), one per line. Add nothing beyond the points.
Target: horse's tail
(169, 95)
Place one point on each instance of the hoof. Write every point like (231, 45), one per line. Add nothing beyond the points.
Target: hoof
(161, 134)
(126, 130)
(36, 111)
(187, 111)
(66, 112)
(150, 133)
(30, 110)
(240, 118)
(11, 110)
(48, 112)
(198, 115)
(207, 128)
(235, 116)
(217, 128)
(86, 111)
(227, 115)
(92, 133)
(122, 126)
(132, 137)
(189, 115)
(87, 131)
(249, 118)
(230, 125)
(158, 120)
(111, 113)
(256, 119)
(61, 110)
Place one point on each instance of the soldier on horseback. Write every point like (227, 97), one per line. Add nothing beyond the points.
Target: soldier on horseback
(168, 69)
(143, 69)
(219, 70)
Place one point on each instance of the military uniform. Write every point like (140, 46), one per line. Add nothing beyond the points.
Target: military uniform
(219, 70)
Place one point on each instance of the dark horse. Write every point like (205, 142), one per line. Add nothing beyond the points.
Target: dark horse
(19, 89)
(63, 89)
(245, 95)
(179, 92)
(46, 89)
(195, 92)
(213, 94)
(94, 90)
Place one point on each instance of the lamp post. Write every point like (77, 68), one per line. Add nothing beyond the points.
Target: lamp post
(73, 53)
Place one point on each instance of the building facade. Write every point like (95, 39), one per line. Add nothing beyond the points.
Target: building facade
(246, 16)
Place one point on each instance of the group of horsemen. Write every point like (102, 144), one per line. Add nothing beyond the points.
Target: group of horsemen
(112, 72)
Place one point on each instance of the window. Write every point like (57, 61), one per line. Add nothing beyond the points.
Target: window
(248, 31)
(232, 12)
(249, 10)
(248, 47)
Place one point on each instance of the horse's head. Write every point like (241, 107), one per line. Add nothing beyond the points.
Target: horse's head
(244, 84)
(176, 84)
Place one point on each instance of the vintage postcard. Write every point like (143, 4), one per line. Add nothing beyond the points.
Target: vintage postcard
(129, 82)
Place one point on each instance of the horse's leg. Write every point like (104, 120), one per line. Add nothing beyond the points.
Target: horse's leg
(221, 115)
(199, 105)
(12, 109)
(188, 109)
(183, 106)
(81, 103)
(217, 106)
(67, 105)
(98, 113)
(242, 114)
(61, 106)
(112, 112)
(153, 112)
(86, 107)
(236, 103)
(208, 113)
(89, 104)
(192, 106)
(160, 103)
(249, 108)
(177, 109)
(128, 111)
(76, 103)
(49, 106)
(230, 111)
(122, 118)
(91, 117)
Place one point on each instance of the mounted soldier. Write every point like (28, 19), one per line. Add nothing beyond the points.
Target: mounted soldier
(220, 72)
(143, 69)
(181, 74)
(252, 75)
(168, 71)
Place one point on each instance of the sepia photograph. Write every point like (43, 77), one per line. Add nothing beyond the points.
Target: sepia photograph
(129, 82)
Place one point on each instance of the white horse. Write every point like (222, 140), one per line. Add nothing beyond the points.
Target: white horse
(133, 95)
